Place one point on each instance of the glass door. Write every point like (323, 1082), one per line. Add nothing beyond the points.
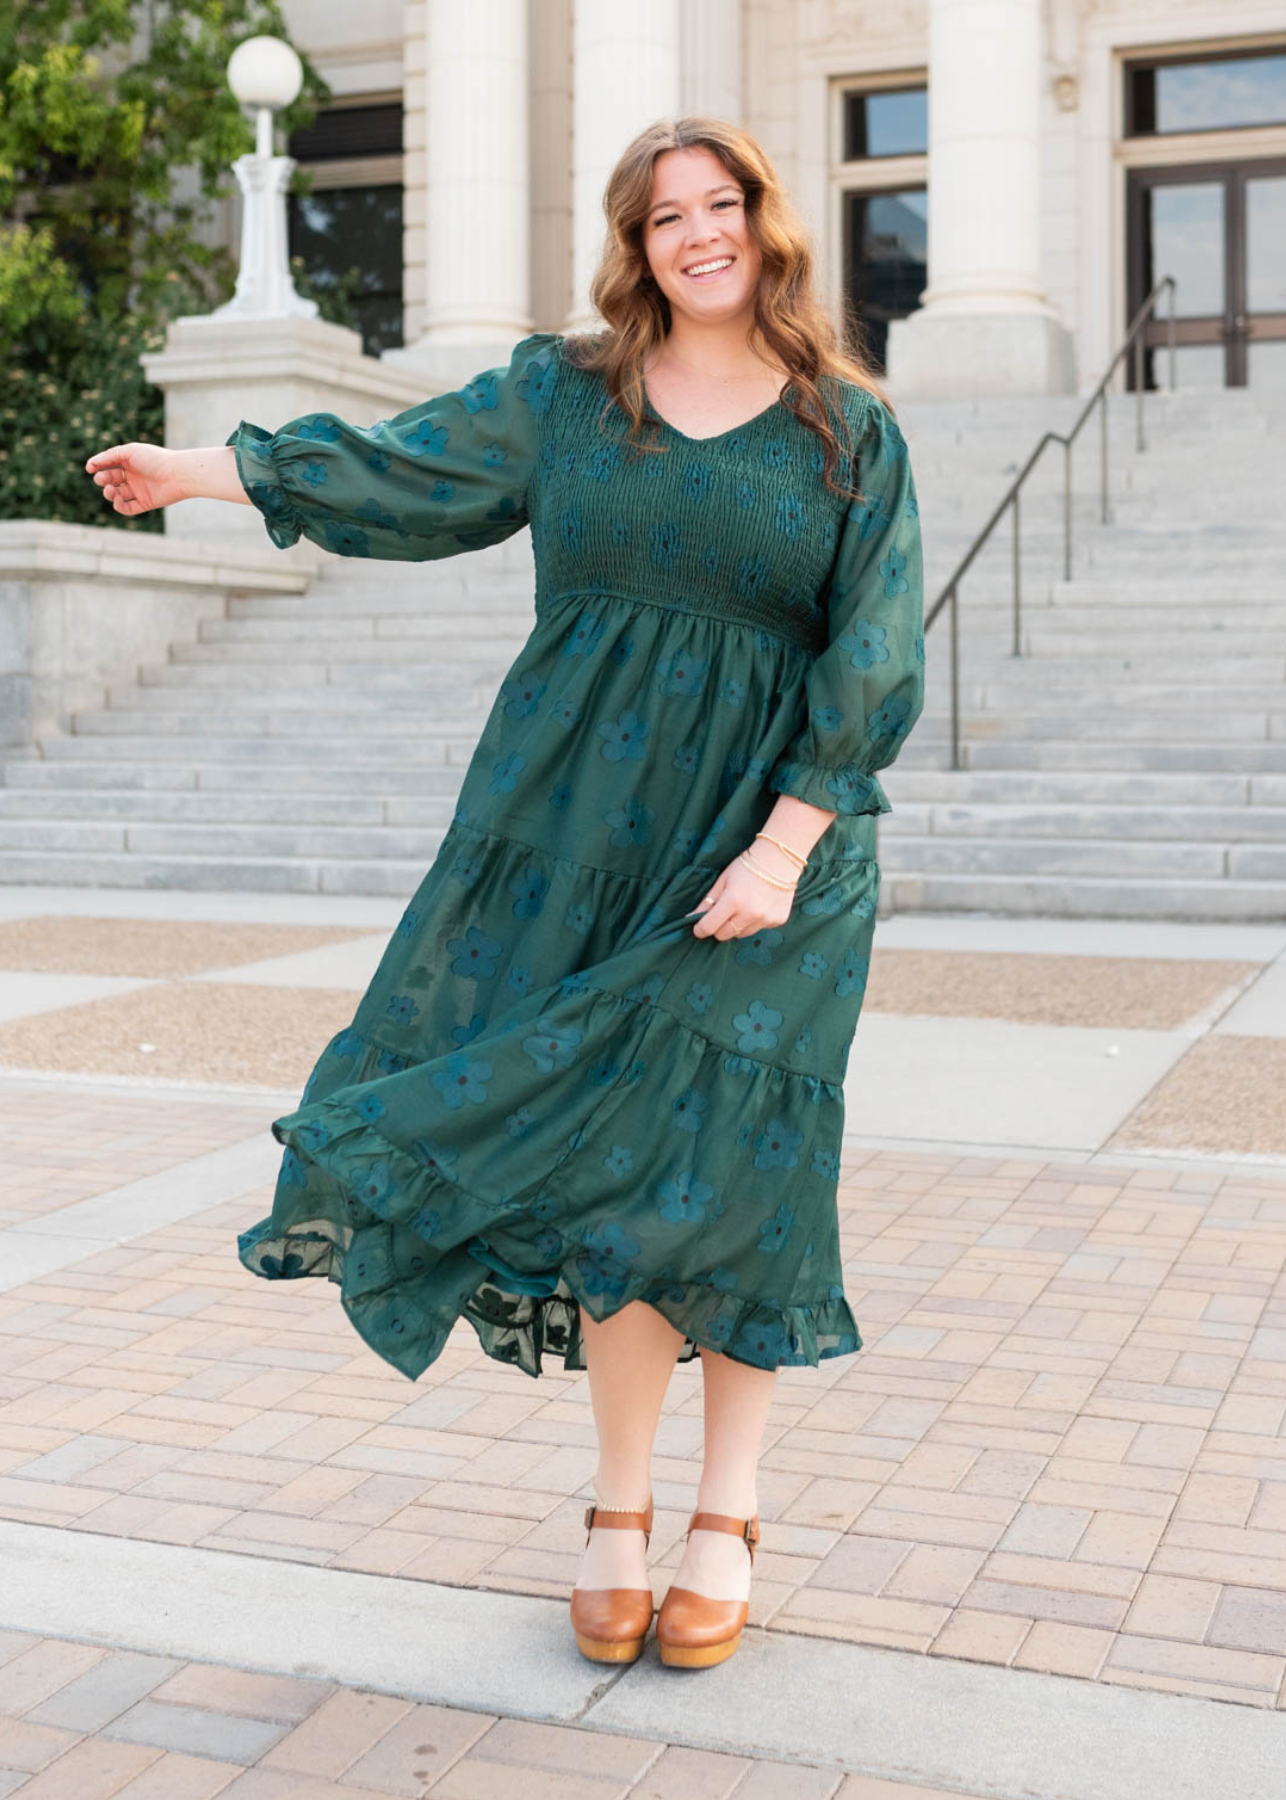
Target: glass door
(1220, 230)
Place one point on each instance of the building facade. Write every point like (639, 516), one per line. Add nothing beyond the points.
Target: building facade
(993, 186)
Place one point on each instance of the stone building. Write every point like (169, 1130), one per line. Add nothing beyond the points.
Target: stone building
(993, 184)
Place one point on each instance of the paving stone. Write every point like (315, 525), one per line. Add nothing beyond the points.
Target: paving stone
(114, 1684)
(178, 1777)
(94, 1769)
(682, 1774)
(343, 1729)
(219, 1735)
(279, 1699)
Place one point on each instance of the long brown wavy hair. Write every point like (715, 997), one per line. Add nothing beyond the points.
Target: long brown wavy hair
(790, 319)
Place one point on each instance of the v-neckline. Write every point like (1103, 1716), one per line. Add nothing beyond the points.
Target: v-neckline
(718, 435)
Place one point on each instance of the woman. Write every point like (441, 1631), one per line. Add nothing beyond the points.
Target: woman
(592, 1099)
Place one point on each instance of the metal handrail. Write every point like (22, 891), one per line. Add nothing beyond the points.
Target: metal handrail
(951, 591)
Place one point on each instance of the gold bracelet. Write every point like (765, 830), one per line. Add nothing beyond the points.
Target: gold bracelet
(763, 874)
(793, 854)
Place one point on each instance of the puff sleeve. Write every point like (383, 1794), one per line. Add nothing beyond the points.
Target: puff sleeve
(865, 690)
(446, 475)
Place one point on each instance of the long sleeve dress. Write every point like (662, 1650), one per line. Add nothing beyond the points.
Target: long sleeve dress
(554, 1095)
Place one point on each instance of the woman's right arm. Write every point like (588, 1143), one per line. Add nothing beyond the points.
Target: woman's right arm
(137, 478)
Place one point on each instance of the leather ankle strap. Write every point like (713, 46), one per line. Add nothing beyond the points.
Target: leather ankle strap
(622, 1521)
(746, 1529)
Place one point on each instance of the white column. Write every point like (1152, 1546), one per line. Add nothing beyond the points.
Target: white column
(625, 74)
(477, 210)
(984, 325)
(713, 58)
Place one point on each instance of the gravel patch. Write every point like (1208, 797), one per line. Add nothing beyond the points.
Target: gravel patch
(153, 948)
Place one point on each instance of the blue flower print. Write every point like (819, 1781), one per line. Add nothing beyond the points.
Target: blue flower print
(523, 694)
(688, 1110)
(504, 775)
(853, 971)
(757, 1026)
(537, 382)
(475, 954)
(777, 1146)
(697, 482)
(826, 904)
(685, 842)
(579, 918)
(375, 1184)
(775, 454)
(467, 868)
(853, 792)
(569, 461)
(865, 644)
(710, 842)
(894, 442)
(774, 1232)
(349, 1043)
(604, 1261)
(736, 444)
(686, 759)
(626, 737)
(409, 923)
(895, 582)
(465, 1034)
(401, 1009)
(314, 473)
(551, 1046)
(442, 490)
(320, 429)
(681, 674)
(743, 1136)
(437, 1161)
(548, 460)
(519, 1123)
(374, 514)
(619, 532)
(345, 540)
(792, 518)
(546, 1206)
(758, 948)
(767, 1344)
(830, 534)
(871, 515)
(752, 572)
(636, 1071)
(827, 718)
(732, 690)
(560, 797)
(379, 460)
(653, 468)
(370, 1107)
(566, 714)
(463, 1079)
(293, 1172)
(826, 1164)
(699, 996)
(493, 456)
(314, 1135)
(530, 887)
(584, 635)
(813, 964)
(745, 495)
(719, 1329)
(631, 823)
(863, 907)
(571, 526)
(575, 983)
(426, 438)
(479, 394)
(724, 1278)
(549, 1243)
(646, 993)
(890, 720)
(622, 649)
(603, 1072)
(604, 462)
(666, 544)
(684, 1199)
(282, 1268)
(618, 1162)
(710, 559)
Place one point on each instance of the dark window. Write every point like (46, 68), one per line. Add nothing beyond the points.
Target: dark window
(1213, 93)
(885, 270)
(886, 122)
(350, 235)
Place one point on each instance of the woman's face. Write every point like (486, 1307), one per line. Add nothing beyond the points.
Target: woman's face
(698, 244)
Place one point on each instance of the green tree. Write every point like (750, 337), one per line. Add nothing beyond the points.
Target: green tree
(117, 135)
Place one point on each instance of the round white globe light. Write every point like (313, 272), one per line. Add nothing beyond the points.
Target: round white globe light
(265, 71)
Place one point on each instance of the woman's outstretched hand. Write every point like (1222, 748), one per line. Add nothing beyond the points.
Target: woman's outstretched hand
(739, 902)
(137, 478)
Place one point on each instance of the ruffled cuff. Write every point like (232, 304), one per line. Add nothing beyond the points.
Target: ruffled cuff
(251, 445)
(839, 790)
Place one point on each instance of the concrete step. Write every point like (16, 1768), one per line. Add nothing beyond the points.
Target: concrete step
(908, 786)
(236, 807)
(368, 677)
(1063, 897)
(1084, 856)
(99, 772)
(372, 753)
(1072, 753)
(458, 701)
(222, 722)
(1118, 724)
(209, 873)
(277, 842)
(443, 626)
(1238, 824)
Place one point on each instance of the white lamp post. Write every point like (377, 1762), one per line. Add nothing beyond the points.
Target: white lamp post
(264, 73)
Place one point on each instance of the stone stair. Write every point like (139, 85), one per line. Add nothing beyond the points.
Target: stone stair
(1131, 762)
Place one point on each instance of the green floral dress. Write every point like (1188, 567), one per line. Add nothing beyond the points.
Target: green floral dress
(554, 1095)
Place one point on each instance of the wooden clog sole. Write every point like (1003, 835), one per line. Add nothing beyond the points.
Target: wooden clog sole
(618, 1650)
(692, 1656)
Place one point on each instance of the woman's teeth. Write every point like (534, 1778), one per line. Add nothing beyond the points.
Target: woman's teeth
(709, 268)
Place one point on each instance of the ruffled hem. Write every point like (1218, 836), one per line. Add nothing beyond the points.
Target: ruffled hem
(250, 445)
(413, 1248)
(846, 790)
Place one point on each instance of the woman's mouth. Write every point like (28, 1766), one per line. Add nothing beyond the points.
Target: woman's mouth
(709, 270)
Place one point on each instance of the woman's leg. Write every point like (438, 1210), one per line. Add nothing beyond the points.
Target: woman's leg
(629, 1359)
(737, 1399)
